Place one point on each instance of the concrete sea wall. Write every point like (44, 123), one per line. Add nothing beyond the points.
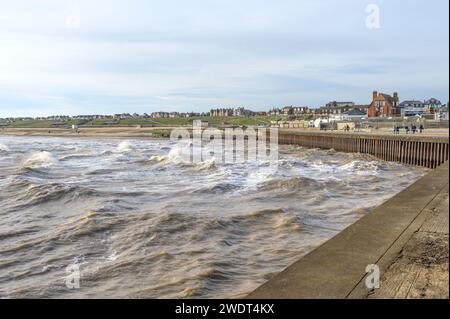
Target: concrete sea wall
(337, 269)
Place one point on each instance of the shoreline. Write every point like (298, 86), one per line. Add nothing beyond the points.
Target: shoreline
(121, 132)
(136, 131)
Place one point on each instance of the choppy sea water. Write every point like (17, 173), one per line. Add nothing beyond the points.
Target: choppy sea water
(141, 223)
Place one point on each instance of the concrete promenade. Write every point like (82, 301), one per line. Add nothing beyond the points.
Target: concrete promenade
(406, 237)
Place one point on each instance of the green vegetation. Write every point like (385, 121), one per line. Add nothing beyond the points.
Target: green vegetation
(34, 123)
(151, 122)
(42, 123)
(161, 133)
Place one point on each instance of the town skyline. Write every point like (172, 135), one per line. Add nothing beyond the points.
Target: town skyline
(392, 105)
(206, 109)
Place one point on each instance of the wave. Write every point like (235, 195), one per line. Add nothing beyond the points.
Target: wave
(4, 148)
(101, 171)
(38, 194)
(278, 218)
(106, 153)
(75, 156)
(175, 156)
(38, 160)
(219, 188)
(363, 167)
(179, 156)
(295, 183)
(125, 147)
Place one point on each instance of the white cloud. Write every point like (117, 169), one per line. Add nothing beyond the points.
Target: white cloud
(191, 54)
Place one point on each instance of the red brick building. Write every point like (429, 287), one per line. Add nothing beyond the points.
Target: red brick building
(384, 105)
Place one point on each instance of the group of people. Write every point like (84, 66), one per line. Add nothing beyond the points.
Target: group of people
(411, 128)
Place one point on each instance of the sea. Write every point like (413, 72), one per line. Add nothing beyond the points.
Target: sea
(130, 218)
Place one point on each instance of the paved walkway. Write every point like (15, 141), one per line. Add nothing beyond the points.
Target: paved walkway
(421, 268)
(430, 133)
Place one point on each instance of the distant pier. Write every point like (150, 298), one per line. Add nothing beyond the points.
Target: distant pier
(412, 149)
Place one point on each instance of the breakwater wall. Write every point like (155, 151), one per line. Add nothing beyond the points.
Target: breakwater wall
(424, 151)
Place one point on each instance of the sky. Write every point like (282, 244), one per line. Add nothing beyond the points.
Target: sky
(110, 56)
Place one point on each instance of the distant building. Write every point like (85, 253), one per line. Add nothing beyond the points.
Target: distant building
(335, 104)
(412, 103)
(432, 105)
(221, 112)
(122, 116)
(352, 115)
(384, 105)
(228, 112)
(261, 113)
(159, 115)
(275, 112)
(242, 112)
(411, 108)
(355, 114)
(441, 114)
(288, 110)
(362, 107)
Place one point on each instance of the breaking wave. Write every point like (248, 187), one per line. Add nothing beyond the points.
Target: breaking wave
(125, 147)
(3, 148)
(161, 226)
(41, 159)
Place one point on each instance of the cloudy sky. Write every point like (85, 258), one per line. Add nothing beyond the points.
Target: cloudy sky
(110, 56)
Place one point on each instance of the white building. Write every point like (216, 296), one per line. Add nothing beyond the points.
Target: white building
(412, 108)
(441, 114)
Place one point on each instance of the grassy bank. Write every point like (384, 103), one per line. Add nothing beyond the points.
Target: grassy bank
(150, 122)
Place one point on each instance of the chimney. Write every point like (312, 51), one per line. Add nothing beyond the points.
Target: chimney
(395, 98)
(375, 94)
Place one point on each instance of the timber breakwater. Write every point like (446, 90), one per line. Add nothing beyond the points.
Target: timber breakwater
(423, 151)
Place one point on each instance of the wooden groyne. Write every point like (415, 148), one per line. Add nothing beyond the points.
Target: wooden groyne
(425, 151)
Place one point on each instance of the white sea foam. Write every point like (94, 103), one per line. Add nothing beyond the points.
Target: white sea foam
(175, 156)
(4, 148)
(38, 160)
(139, 213)
(125, 147)
(361, 167)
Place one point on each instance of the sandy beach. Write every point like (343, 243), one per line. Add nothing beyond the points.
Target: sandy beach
(86, 132)
(136, 131)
